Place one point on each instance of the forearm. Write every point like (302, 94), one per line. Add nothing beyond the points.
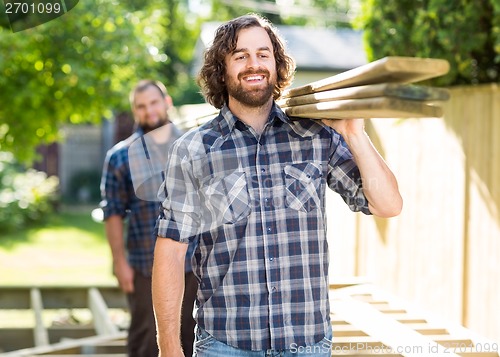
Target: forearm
(379, 183)
(121, 268)
(168, 290)
(114, 234)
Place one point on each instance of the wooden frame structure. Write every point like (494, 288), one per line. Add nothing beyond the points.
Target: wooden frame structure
(366, 321)
(102, 336)
(370, 322)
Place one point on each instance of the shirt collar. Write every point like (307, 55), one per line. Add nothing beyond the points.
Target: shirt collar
(228, 120)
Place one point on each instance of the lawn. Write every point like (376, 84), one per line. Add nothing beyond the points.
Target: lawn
(69, 249)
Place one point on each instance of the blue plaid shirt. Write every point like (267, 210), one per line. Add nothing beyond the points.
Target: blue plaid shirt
(119, 198)
(255, 206)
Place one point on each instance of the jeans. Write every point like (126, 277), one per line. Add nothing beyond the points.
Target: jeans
(207, 346)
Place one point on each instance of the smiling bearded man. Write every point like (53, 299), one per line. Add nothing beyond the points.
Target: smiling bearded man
(248, 188)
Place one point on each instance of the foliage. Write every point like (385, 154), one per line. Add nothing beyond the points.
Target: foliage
(25, 196)
(465, 32)
(325, 13)
(182, 29)
(76, 68)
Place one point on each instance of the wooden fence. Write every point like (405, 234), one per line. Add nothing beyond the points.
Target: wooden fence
(443, 252)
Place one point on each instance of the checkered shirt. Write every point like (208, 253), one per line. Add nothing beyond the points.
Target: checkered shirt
(255, 206)
(119, 198)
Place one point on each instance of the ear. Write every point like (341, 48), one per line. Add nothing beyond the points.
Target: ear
(169, 102)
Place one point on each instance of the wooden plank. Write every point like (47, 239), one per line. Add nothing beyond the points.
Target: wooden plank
(356, 342)
(395, 90)
(398, 337)
(15, 338)
(58, 333)
(379, 107)
(15, 298)
(347, 330)
(339, 283)
(422, 328)
(392, 69)
(40, 334)
(102, 320)
(363, 353)
(428, 329)
(59, 297)
(441, 337)
(66, 347)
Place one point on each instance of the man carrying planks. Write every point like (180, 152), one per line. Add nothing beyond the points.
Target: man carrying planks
(248, 188)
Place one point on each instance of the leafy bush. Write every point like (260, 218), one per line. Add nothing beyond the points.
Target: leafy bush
(26, 196)
(466, 33)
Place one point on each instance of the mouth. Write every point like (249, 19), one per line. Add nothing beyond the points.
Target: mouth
(254, 78)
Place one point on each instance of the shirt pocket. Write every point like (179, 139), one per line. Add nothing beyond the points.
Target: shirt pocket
(227, 197)
(303, 184)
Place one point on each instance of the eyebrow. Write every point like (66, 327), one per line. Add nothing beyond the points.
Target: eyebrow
(263, 48)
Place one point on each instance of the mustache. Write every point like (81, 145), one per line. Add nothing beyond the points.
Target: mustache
(263, 72)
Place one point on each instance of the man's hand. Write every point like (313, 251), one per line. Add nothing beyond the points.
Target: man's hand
(121, 268)
(346, 127)
(125, 275)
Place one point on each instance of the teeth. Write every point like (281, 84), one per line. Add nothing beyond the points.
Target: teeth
(254, 78)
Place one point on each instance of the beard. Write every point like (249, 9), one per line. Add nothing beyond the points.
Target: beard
(255, 97)
(147, 127)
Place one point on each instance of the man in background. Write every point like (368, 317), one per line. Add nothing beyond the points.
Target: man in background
(130, 215)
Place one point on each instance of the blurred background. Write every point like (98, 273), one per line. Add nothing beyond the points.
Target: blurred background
(64, 102)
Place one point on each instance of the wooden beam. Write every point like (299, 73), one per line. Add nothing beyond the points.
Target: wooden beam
(395, 90)
(102, 321)
(379, 107)
(392, 69)
(60, 297)
(395, 336)
(67, 347)
(40, 334)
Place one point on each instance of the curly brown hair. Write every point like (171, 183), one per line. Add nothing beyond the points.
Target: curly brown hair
(210, 77)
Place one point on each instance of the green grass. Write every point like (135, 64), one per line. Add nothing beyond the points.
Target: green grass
(69, 249)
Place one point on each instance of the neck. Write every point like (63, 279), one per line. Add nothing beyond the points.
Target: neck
(256, 117)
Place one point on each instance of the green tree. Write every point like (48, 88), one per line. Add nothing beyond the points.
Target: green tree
(77, 68)
(464, 32)
(181, 28)
(326, 13)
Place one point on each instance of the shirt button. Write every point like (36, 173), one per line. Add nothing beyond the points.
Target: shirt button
(271, 259)
(274, 289)
(262, 170)
(269, 229)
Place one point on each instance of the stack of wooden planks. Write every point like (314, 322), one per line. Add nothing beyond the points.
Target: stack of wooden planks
(379, 89)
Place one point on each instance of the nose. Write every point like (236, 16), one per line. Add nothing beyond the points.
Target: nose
(149, 109)
(253, 61)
